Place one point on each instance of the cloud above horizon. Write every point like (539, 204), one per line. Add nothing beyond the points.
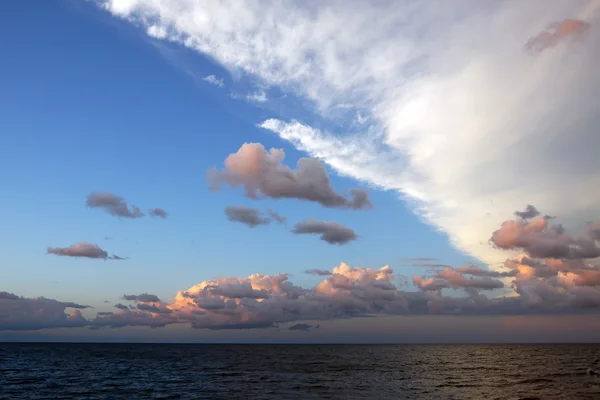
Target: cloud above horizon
(451, 99)
(82, 249)
(330, 231)
(261, 173)
(158, 212)
(113, 205)
(245, 215)
(541, 284)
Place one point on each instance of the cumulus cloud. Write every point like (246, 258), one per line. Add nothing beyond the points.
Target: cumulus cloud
(541, 241)
(262, 173)
(330, 231)
(451, 96)
(20, 313)
(121, 306)
(144, 297)
(158, 212)
(82, 249)
(114, 205)
(248, 216)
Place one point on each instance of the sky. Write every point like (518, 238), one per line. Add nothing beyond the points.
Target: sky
(287, 171)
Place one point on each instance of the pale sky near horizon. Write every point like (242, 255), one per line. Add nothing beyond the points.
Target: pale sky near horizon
(291, 171)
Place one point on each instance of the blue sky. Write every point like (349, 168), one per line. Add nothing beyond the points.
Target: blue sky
(93, 103)
(104, 111)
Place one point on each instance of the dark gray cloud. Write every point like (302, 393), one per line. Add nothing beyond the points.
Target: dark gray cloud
(105, 313)
(303, 327)
(529, 213)
(476, 271)
(8, 296)
(144, 297)
(261, 173)
(20, 313)
(70, 304)
(319, 272)
(82, 249)
(158, 212)
(113, 205)
(248, 216)
(330, 231)
(121, 306)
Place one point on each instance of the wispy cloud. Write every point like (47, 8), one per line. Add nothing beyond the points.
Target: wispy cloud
(213, 80)
(451, 96)
(262, 173)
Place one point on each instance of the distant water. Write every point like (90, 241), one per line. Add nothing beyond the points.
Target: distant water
(142, 371)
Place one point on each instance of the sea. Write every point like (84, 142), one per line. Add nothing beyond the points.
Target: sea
(183, 371)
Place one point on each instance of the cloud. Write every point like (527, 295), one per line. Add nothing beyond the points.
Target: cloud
(154, 309)
(245, 215)
(555, 33)
(279, 218)
(529, 213)
(262, 173)
(213, 80)
(105, 313)
(158, 212)
(330, 231)
(303, 327)
(144, 297)
(257, 97)
(20, 313)
(319, 272)
(82, 249)
(462, 120)
(542, 285)
(113, 205)
(541, 241)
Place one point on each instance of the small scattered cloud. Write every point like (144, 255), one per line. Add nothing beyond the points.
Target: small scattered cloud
(144, 297)
(262, 173)
(113, 205)
(213, 80)
(330, 231)
(318, 272)
(82, 249)
(245, 215)
(529, 213)
(105, 313)
(121, 306)
(158, 212)
(154, 309)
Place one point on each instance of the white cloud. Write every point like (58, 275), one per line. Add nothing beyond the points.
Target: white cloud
(461, 119)
(213, 80)
(257, 97)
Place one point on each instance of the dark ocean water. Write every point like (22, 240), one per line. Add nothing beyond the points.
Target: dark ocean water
(142, 371)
